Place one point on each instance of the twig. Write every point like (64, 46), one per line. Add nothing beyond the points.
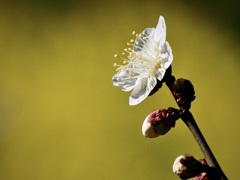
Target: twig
(184, 103)
(188, 119)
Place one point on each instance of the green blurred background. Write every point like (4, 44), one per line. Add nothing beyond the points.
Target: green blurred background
(60, 116)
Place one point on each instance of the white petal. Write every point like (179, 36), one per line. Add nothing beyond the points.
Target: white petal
(139, 91)
(152, 81)
(142, 89)
(121, 79)
(149, 32)
(160, 32)
(141, 41)
(166, 56)
(160, 74)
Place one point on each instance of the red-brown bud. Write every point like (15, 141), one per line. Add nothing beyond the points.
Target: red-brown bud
(159, 122)
(186, 166)
(183, 92)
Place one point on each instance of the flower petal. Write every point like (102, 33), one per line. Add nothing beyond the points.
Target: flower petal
(142, 89)
(160, 74)
(160, 32)
(122, 80)
(142, 41)
(166, 56)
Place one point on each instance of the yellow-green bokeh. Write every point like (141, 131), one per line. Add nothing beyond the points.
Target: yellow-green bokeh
(60, 116)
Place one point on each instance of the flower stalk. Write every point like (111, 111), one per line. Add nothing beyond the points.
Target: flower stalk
(189, 120)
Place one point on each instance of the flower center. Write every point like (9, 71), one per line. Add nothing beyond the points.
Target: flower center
(143, 59)
(157, 65)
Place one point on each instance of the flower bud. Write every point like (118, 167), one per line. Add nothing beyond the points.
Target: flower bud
(159, 122)
(186, 166)
(210, 173)
(183, 92)
(202, 176)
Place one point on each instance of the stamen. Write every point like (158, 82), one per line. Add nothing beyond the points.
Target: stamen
(150, 47)
(127, 50)
(122, 58)
(142, 59)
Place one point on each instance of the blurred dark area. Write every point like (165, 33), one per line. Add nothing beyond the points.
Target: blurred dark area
(226, 11)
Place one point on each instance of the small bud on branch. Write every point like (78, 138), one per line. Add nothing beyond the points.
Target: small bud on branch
(159, 122)
(186, 166)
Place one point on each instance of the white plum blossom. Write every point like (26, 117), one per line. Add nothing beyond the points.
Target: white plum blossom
(146, 63)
